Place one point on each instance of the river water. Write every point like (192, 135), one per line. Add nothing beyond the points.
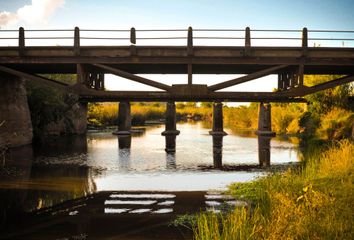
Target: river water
(133, 177)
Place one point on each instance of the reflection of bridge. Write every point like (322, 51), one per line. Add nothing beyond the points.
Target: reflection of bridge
(90, 63)
(118, 215)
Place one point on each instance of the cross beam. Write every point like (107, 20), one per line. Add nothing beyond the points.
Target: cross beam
(133, 77)
(246, 78)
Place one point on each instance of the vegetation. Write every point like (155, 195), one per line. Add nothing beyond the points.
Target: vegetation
(312, 202)
(47, 104)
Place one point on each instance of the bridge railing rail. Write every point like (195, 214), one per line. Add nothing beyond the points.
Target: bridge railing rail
(186, 37)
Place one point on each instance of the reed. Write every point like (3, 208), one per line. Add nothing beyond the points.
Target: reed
(312, 202)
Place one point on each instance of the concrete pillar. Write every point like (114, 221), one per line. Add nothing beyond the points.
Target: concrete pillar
(124, 141)
(170, 127)
(124, 119)
(264, 120)
(15, 118)
(218, 126)
(217, 151)
(264, 150)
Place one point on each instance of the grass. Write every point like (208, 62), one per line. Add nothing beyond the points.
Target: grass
(315, 201)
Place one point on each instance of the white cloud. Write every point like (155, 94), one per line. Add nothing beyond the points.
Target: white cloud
(7, 18)
(38, 12)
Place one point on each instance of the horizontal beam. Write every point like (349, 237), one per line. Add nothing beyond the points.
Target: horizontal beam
(47, 81)
(88, 95)
(133, 77)
(246, 78)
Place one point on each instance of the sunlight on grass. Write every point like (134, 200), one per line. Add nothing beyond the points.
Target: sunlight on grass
(315, 202)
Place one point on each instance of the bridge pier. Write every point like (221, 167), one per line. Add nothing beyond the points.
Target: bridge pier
(218, 125)
(124, 119)
(264, 151)
(170, 132)
(15, 118)
(264, 120)
(217, 151)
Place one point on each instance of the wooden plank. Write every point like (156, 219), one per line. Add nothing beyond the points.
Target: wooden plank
(133, 77)
(47, 81)
(246, 78)
(90, 95)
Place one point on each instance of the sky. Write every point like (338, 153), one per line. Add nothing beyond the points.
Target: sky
(168, 14)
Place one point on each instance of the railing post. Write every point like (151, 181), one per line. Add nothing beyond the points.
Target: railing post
(190, 41)
(77, 41)
(133, 35)
(247, 41)
(247, 37)
(304, 38)
(21, 40)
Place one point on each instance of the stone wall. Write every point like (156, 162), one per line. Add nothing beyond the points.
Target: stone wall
(16, 129)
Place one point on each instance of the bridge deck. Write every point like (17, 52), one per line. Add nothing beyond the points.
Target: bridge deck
(175, 59)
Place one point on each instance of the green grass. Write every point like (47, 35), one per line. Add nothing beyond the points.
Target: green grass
(315, 201)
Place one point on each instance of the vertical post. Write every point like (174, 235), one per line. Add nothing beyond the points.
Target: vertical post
(170, 127)
(264, 151)
(247, 37)
(124, 141)
(247, 41)
(301, 75)
(190, 74)
(132, 36)
(280, 81)
(21, 40)
(217, 151)
(124, 119)
(190, 41)
(304, 38)
(82, 75)
(218, 126)
(77, 41)
(101, 77)
(264, 120)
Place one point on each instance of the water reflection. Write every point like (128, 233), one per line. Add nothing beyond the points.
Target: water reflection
(217, 151)
(124, 141)
(264, 150)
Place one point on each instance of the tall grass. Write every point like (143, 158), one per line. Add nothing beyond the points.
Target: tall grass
(313, 202)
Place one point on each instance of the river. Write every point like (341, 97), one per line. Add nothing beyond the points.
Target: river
(85, 177)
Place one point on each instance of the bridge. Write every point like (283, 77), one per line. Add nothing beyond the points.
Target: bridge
(90, 62)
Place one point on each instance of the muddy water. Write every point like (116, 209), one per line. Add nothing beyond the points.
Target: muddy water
(96, 186)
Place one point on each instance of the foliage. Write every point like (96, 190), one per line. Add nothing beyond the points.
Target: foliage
(314, 202)
(47, 105)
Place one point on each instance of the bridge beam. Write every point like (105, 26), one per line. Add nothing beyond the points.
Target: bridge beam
(264, 120)
(171, 131)
(218, 125)
(124, 119)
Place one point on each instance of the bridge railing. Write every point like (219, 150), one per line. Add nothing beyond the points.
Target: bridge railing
(182, 37)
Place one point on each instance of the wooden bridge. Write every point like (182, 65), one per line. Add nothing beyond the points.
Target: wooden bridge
(91, 62)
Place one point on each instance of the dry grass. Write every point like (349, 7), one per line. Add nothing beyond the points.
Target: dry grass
(315, 202)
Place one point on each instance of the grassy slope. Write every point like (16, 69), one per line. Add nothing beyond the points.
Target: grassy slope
(314, 202)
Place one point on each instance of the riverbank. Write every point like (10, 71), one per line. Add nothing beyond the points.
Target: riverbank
(314, 201)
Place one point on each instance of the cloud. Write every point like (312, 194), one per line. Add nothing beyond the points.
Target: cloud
(38, 12)
(7, 18)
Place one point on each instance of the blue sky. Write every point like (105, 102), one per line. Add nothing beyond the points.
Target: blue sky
(167, 14)
(320, 14)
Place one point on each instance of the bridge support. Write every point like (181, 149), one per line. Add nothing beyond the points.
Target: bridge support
(15, 118)
(264, 151)
(264, 120)
(217, 151)
(124, 119)
(170, 127)
(218, 126)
